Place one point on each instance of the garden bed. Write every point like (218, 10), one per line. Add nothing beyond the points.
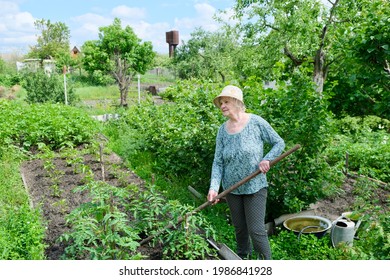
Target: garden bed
(56, 203)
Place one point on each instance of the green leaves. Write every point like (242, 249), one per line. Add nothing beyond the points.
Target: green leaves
(53, 40)
(52, 124)
(184, 241)
(179, 134)
(366, 141)
(21, 234)
(42, 88)
(362, 72)
(119, 53)
(99, 229)
(207, 55)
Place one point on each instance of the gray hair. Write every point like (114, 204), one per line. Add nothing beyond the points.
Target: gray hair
(240, 105)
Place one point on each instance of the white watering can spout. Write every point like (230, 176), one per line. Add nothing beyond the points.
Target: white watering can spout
(343, 230)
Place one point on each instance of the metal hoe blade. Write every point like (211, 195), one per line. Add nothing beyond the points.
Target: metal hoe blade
(224, 251)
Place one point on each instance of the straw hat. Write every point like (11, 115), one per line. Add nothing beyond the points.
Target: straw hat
(229, 91)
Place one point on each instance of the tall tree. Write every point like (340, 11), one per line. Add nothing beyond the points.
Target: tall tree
(207, 55)
(119, 53)
(300, 31)
(362, 77)
(52, 40)
(346, 41)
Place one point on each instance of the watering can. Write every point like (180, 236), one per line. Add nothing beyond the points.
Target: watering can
(343, 230)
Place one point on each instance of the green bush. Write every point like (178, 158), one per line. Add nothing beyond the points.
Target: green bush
(286, 246)
(180, 135)
(374, 240)
(97, 78)
(366, 141)
(9, 80)
(8, 74)
(42, 88)
(186, 240)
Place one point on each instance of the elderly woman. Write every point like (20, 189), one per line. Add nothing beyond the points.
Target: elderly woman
(239, 152)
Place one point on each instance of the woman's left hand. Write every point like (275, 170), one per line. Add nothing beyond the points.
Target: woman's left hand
(264, 166)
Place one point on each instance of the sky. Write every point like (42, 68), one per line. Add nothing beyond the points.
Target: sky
(149, 19)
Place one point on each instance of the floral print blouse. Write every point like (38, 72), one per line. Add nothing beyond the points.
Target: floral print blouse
(238, 155)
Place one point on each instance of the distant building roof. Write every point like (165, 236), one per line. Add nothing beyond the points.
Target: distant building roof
(74, 52)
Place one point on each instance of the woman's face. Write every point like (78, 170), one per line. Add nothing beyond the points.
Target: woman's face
(228, 106)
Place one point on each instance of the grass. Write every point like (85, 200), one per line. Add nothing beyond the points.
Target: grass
(97, 93)
(21, 231)
(11, 188)
(98, 100)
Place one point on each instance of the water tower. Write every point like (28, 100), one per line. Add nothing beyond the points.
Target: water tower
(172, 38)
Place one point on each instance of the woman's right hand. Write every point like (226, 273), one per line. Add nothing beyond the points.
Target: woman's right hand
(211, 196)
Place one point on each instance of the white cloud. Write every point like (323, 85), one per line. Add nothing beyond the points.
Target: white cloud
(8, 8)
(153, 32)
(16, 28)
(205, 10)
(203, 18)
(3, 27)
(19, 40)
(128, 12)
(86, 27)
(23, 22)
(90, 17)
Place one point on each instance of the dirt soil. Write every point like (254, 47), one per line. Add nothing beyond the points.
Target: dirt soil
(333, 207)
(39, 187)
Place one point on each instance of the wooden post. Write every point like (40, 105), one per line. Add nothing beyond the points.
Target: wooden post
(66, 95)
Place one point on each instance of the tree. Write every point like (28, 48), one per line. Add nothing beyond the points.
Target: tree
(206, 55)
(53, 39)
(362, 77)
(119, 53)
(299, 33)
(346, 41)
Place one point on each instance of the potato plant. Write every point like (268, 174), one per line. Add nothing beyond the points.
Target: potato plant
(51, 124)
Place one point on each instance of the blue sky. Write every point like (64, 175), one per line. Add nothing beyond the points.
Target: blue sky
(150, 19)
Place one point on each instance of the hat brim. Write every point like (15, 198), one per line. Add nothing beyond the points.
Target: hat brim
(216, 99)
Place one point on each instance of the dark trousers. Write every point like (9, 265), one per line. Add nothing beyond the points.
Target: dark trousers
(248, 214)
